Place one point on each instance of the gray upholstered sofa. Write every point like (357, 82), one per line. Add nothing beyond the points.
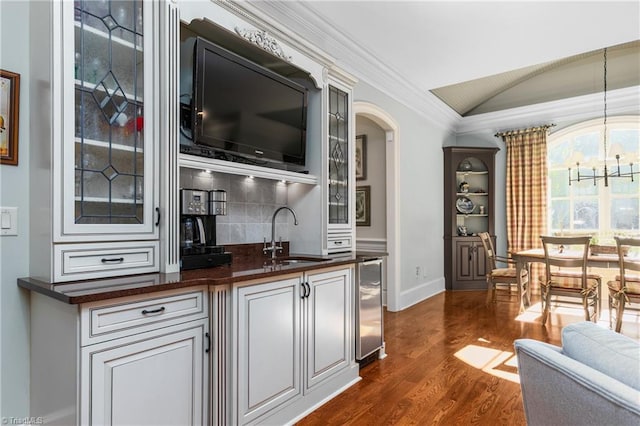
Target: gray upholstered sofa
(594, 379)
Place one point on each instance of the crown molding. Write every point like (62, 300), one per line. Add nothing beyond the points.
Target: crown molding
(259, 19)
(302, 22)
(579, 108)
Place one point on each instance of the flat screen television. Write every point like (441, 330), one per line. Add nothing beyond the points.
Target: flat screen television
(242, 109)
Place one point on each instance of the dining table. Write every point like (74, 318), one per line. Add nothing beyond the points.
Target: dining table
(524, 258)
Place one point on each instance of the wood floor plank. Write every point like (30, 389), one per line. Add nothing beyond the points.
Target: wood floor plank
(450, 362)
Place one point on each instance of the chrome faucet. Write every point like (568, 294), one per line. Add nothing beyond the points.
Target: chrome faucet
(275, 248)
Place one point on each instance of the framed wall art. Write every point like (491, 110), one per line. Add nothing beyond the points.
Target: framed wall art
(363, 205)
(361, 157)
(9, 113)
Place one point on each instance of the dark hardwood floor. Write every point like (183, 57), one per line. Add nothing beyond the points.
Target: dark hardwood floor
(451, 362)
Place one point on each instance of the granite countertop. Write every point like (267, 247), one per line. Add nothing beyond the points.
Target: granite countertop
(242, 269)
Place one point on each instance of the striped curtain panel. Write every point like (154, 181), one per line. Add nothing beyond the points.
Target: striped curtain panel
(526, 187)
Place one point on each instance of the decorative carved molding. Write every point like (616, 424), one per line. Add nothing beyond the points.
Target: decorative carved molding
(263, 40)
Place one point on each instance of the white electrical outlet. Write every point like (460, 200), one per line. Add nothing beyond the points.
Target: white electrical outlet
(8, 221)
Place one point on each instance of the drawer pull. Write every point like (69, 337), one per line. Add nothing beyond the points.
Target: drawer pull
(154, 311)
(338, 243)
(113, 260)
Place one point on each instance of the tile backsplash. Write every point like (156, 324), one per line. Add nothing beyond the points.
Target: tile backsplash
(250, 205)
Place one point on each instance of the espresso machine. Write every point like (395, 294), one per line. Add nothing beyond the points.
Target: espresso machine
(198, 211)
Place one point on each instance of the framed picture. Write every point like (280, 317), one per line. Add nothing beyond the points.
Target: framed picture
(361, 157)
(363, 205)
(9, 112)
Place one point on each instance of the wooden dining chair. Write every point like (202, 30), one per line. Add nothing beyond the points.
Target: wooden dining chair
(566, 275)
(498, 276)
(625, 288)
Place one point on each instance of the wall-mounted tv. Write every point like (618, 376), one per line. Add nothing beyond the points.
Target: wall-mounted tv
(241, 109)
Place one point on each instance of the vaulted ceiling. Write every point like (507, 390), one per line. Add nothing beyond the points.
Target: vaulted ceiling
(576, 75)
(474, 56)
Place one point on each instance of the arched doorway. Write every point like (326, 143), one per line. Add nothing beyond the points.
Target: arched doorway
(390, 127)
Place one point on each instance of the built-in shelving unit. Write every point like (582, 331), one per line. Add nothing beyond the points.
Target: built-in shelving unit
(468, 210)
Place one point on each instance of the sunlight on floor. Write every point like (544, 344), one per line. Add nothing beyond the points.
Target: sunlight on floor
(561, 313)
(532, 314)
(502, 364)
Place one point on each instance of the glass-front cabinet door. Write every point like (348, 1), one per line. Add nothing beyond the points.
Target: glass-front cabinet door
(109, 138)
(338, 157)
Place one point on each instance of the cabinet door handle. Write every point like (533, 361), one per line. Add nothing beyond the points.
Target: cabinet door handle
(158, 215)
(306, 290)
(208, 348)
(153, 311)
(113, 260)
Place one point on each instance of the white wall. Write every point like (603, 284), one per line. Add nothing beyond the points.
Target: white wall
(420, 195)
(375, 178)
(14, 250)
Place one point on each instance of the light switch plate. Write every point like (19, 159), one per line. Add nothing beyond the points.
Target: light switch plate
(8, 221)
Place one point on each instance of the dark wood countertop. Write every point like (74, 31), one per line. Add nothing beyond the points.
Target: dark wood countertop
(242, 269)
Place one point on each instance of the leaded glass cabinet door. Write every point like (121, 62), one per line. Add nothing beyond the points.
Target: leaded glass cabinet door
(109, 189)
(338, 110)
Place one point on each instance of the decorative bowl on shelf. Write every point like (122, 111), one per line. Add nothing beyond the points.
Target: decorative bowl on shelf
(464, 205)
(463, 187)
(465, 166)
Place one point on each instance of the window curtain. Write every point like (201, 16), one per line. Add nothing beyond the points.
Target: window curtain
(526, 187)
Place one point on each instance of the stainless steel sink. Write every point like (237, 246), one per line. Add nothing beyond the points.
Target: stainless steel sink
(294, 261)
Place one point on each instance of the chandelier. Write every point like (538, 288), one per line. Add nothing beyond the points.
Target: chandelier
(593, 174)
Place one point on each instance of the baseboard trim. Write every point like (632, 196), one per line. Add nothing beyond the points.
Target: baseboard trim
(421, 292)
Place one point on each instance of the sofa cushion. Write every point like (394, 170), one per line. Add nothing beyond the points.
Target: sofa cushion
(611, 353)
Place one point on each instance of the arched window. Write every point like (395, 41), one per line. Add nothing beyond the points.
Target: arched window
(583, 207)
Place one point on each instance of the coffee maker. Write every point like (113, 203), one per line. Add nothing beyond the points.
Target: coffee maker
(198, 211)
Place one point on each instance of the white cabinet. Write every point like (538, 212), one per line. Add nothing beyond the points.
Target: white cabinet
(139, 360)
(328, 324)
(95, 142)
(159, 379)
(292, 336)
(268, 346)
(340, 188)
